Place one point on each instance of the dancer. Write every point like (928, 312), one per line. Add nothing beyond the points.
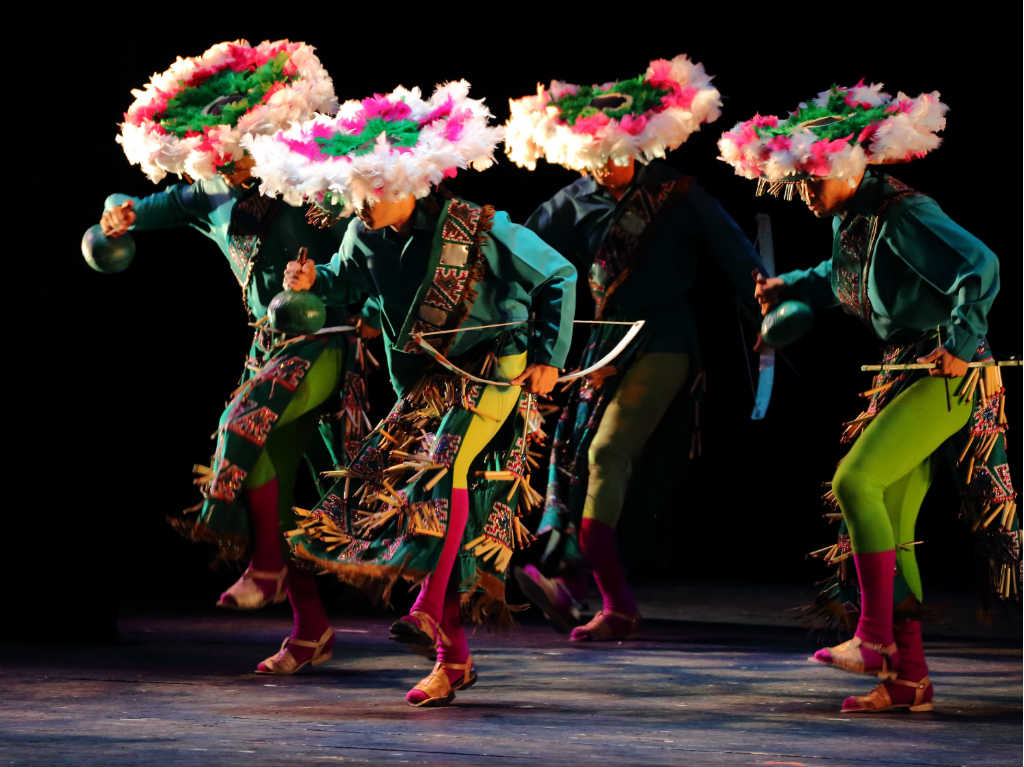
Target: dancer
(639, 233)
(434, 494)
(924, 286)
(191, 121)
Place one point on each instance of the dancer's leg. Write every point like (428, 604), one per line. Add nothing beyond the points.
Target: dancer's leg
(913, 687)
(495, 406)
(640, 402)
(893, 446)
(270, 485)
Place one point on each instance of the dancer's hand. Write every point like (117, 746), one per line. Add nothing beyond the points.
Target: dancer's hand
(767, 291)
(599, 376)
(299, 275)
(365, 330)
(117, 220)
(948, 365)
(762, 347)
(537, 379)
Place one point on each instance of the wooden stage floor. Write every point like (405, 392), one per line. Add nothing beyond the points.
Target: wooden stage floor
(177, 691)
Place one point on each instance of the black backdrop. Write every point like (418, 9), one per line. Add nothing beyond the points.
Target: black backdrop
(118, 380)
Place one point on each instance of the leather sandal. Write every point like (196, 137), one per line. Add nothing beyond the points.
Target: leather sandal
(849, 657)
(602, 628)
(440, 691)
(244, 594)
(551, 596)
(880, 699)
(284, 663)
(419, 632)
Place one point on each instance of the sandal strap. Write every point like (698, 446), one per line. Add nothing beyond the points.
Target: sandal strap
(455, 666)
(882, 649)
(435, 631)
(317, 645)
(268, 576)
(921, 685)
(621, 616)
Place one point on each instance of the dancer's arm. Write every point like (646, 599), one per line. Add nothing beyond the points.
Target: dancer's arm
(952, 262)
(548, 278)
(176, 206)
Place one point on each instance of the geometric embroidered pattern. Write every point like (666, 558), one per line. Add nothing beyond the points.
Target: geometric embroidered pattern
(500, 524)
(227, 481)
(446, 447)
(288, 372)
(447, 300)
(254, 425)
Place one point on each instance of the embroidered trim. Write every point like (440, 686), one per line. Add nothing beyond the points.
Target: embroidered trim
(445, 302)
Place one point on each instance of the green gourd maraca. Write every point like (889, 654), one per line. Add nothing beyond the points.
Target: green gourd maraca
(296, 312)
(786, 323)
(108, 255)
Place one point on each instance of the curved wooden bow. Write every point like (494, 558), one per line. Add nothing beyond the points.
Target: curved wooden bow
(634, 328)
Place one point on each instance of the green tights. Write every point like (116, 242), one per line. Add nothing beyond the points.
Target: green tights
(287, 441)
(882, 481)
(645, 393)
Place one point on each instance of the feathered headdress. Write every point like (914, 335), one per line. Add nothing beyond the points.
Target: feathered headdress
(584, 126)
(382, 148)
(834, 136)
(191, 118)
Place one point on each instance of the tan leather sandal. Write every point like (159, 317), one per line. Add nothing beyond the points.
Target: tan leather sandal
(284, 663)
(420, 633)
(601, 627)
(437, 687)
(244, 594)
(848, 657)
(879, 699)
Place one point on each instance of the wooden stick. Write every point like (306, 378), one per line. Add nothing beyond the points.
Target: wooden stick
(910, 545)
(437, 478)
(991, 446)
(1011, 363)
(967, 447)
(872, 392)
(515, 486)
(993, 515)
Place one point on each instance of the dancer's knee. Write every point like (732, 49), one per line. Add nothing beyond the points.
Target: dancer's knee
(608, 460)
(855, 490)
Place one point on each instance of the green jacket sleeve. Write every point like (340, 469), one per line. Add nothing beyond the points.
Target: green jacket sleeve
(550, 280)
(556, 222)
(953, 262)
(344, 280)
(728, 247)
(812, 286)
(176, 206)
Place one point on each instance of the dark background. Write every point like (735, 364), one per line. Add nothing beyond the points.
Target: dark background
(119, 379)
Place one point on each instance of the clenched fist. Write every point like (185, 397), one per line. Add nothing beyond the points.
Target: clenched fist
(537, 379)
(948, 365)
(116, 221)
(299, 275)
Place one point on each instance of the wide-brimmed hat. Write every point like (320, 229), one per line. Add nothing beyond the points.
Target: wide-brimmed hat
(582, 127)
(191, 118)
(834, 136)
(382, 148)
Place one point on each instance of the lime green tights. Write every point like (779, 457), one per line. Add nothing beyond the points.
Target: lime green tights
(882, 481)
(287, 441)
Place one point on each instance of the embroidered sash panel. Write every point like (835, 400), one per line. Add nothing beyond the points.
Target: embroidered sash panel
(456, 264)
(628, 234)
(851, 261)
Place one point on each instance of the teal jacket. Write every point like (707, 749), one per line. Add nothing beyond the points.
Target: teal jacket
(524, 281)
(904, 266)
(576, 220)
(258, 235)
